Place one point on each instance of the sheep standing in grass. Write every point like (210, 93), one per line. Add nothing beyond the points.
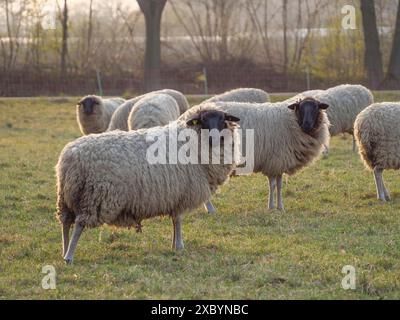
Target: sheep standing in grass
(251, 95)
(345, 103)
(377, 133)
(287, 137)
(108, 178)
(152, 111)
(119, 119)
(94, 113)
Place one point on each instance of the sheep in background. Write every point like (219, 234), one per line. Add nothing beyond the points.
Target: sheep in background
(377, 133)
(287, 137)
(345, 103)
(108, 178)
(94, 113)
(242, 95)
(152, 111)
(119, 119)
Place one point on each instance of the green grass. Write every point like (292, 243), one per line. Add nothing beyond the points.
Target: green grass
(333, 219)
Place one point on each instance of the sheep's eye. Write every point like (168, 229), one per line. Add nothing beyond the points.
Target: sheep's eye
(195, 122)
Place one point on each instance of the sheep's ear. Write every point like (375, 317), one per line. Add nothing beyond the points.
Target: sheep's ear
(293, 106)
(194, 121)
(228, 117)
(323, 106)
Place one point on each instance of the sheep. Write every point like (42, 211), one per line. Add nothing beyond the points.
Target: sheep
(287, 137)
(346, 102)
(152, 111)
(242, 95)
(94, 113)
(377, 133)
(119, 119)
(251, 95)
(109, 179)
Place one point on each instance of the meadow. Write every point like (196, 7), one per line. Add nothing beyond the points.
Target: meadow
(332, 219)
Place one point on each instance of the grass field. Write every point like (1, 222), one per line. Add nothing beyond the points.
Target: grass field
(332, 219)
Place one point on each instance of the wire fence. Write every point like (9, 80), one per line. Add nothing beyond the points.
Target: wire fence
(194, 79)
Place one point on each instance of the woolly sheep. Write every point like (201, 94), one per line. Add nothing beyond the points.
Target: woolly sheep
(119, 119)
(242, 95)
(346, 102)
(152, 111)
(107, 178)
(282, 142)
(94, 113)
(377, 133)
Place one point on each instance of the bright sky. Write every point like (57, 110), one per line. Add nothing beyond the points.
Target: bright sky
(75, 4)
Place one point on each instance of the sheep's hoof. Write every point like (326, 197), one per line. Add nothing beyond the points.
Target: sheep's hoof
(68, 261)
(212, 211)
(282, 210)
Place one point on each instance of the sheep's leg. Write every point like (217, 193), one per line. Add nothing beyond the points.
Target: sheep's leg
(279, 192)
(354, 144)
(66, 226)
(325, 152)
(69, 257)
(177, 242)
(209, 207)
(272, 186)
(381, 190)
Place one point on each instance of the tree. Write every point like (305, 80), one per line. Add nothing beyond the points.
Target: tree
(152, 11)
(373, 57)
(393, 74)
(64, 44)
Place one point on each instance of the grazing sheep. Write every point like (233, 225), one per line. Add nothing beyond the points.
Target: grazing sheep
(345, 103)
(377, 133)
(119, 119)
(152, 111)
(109, 179)
(94, 113)
(242, 95)
(287, 137)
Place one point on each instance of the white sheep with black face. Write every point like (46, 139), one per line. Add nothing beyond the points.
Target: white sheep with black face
(346, 101)
(287, 136)
(108, 179)
(94, 113)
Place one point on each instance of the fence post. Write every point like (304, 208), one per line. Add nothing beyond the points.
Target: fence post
(99, 86)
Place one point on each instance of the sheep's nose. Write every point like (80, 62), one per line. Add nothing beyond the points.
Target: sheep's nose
(87, 109)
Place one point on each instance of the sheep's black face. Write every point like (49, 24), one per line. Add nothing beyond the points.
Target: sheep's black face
(308, 113)
(87, 105)
(211, 120)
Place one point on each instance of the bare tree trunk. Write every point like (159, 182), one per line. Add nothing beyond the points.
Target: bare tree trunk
(64, 45)
(285, 42)
(373, 57)
(152, 10)
(393, 74)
